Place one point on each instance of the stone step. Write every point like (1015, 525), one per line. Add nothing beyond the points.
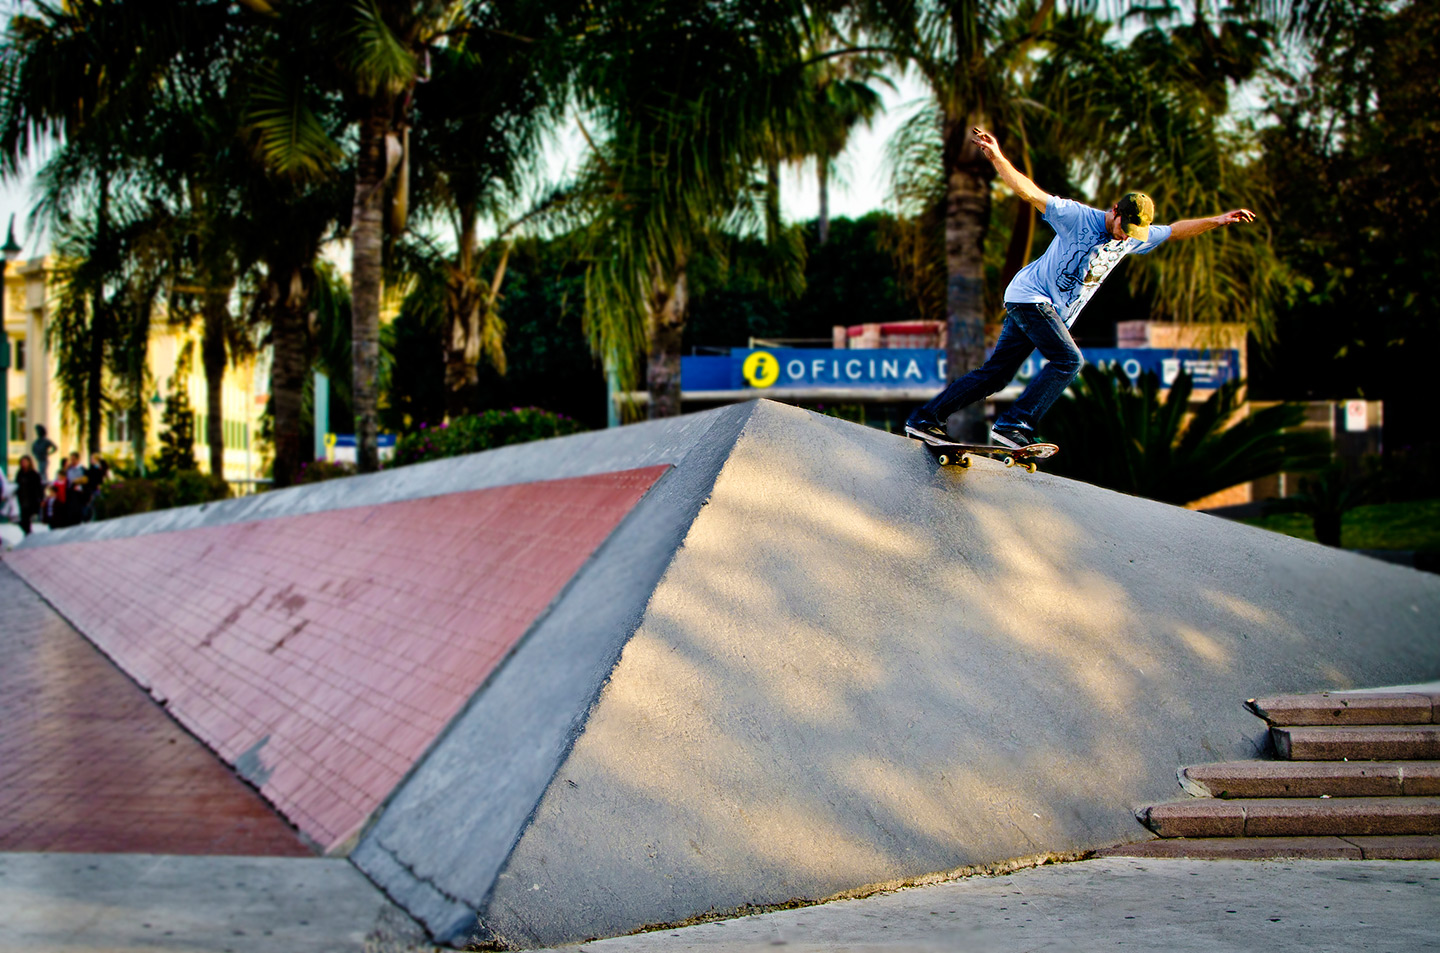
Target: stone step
(1414, 847)
(1349, 708)
(1295, 817)
(1372, 743)
(1239, 779)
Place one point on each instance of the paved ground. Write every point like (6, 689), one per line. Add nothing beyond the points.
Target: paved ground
(1112, 904)
(89, 762)
(137, 903)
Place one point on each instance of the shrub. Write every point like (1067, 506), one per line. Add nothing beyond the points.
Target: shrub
(473, 433)
(139, 495)
(123, 497)
(189, 487)
(1123, 435)
(317, 471)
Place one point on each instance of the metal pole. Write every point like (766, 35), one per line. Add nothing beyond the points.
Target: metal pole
(322, 413)
(612, 394)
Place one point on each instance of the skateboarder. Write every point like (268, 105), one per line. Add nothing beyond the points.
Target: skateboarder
(1047, 295)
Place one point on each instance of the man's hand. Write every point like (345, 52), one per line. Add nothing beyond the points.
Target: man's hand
(1199, 226)
(986, 143)
(1012, 177)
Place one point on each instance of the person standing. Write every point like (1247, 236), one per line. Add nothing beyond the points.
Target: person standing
(29, 491)
(1046, 297)
(77, 494)
(42, 448)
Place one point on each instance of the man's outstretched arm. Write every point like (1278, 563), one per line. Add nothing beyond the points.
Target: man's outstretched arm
(1191, 227)
(1017, 180)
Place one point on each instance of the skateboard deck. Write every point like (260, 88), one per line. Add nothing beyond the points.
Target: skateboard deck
(958, 454)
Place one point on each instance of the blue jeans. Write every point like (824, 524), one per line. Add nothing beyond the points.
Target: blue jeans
(1027, 328)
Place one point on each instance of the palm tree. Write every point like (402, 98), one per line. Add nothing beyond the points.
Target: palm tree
(193, 157)
(844, 99)
(78, 75)
(479, 125)
(689, 100)
(370, 54)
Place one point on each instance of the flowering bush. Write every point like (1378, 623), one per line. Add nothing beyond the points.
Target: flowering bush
(484, 431)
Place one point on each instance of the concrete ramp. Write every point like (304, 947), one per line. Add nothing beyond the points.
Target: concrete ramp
(806, 661)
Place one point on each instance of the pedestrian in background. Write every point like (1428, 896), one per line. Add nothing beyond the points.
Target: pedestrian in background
(29, 492)
(76, 494)
(42, 448)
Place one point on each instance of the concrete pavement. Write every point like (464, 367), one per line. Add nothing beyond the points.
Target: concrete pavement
(1115, 904)
(143, 903)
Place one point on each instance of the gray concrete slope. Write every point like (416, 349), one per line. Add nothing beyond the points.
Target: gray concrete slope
(860, 669)
(441, 840)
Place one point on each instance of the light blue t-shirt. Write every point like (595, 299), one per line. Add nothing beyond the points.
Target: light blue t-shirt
(1082, 255)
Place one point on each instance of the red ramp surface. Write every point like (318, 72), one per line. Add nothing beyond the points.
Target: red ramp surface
(90, 764)
(322, 654)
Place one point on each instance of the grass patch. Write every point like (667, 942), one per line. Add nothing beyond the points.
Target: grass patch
(1409, 526)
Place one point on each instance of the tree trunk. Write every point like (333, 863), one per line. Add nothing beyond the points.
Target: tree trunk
(773, 224)
(287, 294)
(1327, 528)
(99, 328)
(94, 372)
(366, 234)
(462, 351)
(822, 172)
(967, 216)
(669, 301)
(212, 355)
(463, 306)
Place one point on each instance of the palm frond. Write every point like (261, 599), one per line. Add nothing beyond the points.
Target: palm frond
(379, 61)
(289, 135)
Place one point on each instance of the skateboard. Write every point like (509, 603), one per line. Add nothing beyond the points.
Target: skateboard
(959, 454)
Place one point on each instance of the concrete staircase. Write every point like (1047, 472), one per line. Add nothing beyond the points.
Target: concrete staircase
(1358, 777)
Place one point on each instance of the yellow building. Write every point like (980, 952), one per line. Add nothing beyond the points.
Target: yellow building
(34, 395)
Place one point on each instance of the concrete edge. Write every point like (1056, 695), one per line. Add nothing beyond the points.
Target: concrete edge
(589, 624)
(583, 454)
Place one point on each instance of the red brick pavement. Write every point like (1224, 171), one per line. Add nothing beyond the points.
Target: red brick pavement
(89, 762)
(322, 654)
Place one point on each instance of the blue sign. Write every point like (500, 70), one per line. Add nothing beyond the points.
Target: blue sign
(923, 368)
(341, 447)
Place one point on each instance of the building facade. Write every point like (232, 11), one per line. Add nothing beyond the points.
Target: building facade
(34, 396)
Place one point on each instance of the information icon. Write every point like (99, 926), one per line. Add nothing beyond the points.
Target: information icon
(760, 369)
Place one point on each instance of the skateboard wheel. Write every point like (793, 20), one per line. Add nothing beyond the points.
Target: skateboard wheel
(1030, 467)
(943, 458)
(1008, 461)
(964, 462)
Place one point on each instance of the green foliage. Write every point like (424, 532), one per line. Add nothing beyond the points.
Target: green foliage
(1327, 496)
(476, 432)
(317, 471)
(1410, 525)
(1122, 435)
(1353, 158)
(177, 436)
(141, 495)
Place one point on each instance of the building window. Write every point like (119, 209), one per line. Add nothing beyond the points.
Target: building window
(119, 426)
(17, 425)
